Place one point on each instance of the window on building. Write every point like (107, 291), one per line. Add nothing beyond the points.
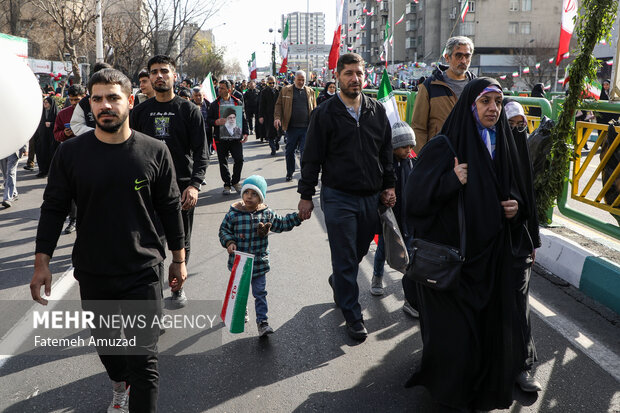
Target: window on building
(514, 5)
(526, 5)
(513, 27)
(467, 28)
(354, 12)
(420, 4)
(525, 28)
(472, 7)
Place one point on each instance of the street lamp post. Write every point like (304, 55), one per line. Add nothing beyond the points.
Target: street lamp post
(273, 51)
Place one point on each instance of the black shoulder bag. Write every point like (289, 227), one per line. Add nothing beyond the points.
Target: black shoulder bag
(435, 265)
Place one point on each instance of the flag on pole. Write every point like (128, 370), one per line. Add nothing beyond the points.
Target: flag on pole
(526, 69)
(593, 88)
(610, 62)
(207, 89)
(402, 17)
(253, 66)
(515, 74)
(502, 77)
(385, 95)
(236, 300)
(464, 10)
(386, 41)
(569, 14)
(551, 60)
(334, 52)
(284, 48)
(537, 66)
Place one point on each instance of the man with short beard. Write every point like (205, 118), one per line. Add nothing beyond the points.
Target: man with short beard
(179, 124)
(349, 139)
(123, 182)
(438, 94)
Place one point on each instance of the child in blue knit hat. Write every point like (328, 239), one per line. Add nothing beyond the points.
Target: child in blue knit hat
(245, 228)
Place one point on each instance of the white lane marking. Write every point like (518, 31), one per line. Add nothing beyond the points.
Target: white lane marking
(16, 336)
(578, 336)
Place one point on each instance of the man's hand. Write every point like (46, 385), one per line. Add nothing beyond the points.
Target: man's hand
(388, 197)
(261, 120)
(232, 247)
(277, 123)
(68, 132)
(460, 169)
(220, 121)
(177, 274)
(189, 197)
(511, 207)
(305, 208)
(42, 277)
(245, 139)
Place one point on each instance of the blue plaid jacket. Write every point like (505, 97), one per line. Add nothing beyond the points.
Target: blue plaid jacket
(241, 228)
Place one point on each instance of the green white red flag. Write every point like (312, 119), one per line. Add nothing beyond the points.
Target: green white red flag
(464, 10)
(593, 88)
(284, 48)
(334, 52)
(236, 300)
(385, 95)
(569, 15)
(207, 89)
(252, 67)
(402, 17)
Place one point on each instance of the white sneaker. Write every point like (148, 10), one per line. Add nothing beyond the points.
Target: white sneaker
(408, 309)
(227, 190)
(120, 398)
(237, 187)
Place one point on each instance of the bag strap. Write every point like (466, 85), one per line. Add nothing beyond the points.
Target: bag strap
(461, 210)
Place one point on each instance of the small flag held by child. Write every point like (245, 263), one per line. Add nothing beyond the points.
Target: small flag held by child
(236, 300)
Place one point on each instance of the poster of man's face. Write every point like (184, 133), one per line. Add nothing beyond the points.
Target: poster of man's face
(232, 128)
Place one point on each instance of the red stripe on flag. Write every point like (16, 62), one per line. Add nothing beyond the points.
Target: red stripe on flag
(230, 286)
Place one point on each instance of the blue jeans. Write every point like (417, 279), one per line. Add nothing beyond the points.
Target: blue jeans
(8, 166)
(379, 257)
(294, 137)
(260, 297)
(352, 222)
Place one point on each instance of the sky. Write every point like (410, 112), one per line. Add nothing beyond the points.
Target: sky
(248, 23)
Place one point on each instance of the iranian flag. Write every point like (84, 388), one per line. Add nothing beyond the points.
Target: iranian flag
(236, 300)
(593, 89)
(464, 10)
(385, 95)
(402, 17)
(207, 89)
(526, 69)
(253, 66)
(284, 49)
(334, 52)
(569, 14)
(386, 42)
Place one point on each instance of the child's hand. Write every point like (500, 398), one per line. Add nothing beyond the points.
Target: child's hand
(263, 229)
(231, 247)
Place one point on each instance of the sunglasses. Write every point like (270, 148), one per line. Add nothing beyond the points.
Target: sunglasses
(271, 83)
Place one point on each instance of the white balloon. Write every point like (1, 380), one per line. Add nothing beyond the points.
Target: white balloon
(21, 104)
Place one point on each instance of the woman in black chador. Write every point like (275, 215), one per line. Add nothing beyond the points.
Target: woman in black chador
(46, 144)
(472, 350)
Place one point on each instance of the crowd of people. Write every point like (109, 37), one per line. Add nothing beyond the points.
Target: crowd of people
(465, 141)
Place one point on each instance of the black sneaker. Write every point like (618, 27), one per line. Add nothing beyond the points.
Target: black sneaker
(70, 228)
(264, 329)
(289, 178)
(357, 330)
(6, 204)
(178, 298)
(29, 167)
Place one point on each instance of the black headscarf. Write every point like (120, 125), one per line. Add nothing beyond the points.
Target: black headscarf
(538, 91)
(323, 96)
(49, 115)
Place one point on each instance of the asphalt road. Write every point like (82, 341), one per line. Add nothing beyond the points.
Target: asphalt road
(309, 363)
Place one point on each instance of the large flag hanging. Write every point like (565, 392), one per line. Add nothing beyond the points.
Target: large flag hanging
(236, 300)
(386, 43)
(207, 89)
(284, 49)
(253, 66)
(464, 10)
(385, 95)
(569, 13)
(334, 52)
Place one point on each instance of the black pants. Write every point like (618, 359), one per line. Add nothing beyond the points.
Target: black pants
(188, 223)
(522, 271)
(73, 211)
(252, 118)
(137, 366)
(234, 148)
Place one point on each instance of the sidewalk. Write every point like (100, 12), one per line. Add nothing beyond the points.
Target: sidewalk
(586, 259)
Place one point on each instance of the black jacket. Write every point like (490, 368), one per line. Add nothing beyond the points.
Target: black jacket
(250, 100)
(267, 103)
(214, 114)
(354, 156)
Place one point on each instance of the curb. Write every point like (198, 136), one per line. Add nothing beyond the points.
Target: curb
(596, 277)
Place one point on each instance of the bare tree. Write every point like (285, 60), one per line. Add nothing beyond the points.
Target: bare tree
(203, 58)
(11, 16)
(233, 68)
(75, 19)
(540, 54)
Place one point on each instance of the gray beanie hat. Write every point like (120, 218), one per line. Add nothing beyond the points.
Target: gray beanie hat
(402, 135)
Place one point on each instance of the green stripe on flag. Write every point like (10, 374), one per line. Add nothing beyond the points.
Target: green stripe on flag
(237, 324)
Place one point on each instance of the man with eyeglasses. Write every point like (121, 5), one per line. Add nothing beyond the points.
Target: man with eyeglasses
(440, 91)
(266, 106)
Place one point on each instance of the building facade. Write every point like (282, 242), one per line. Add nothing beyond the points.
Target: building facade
(306, 31)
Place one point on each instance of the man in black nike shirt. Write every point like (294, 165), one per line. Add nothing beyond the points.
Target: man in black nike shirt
(179, 124)
(125, 189)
